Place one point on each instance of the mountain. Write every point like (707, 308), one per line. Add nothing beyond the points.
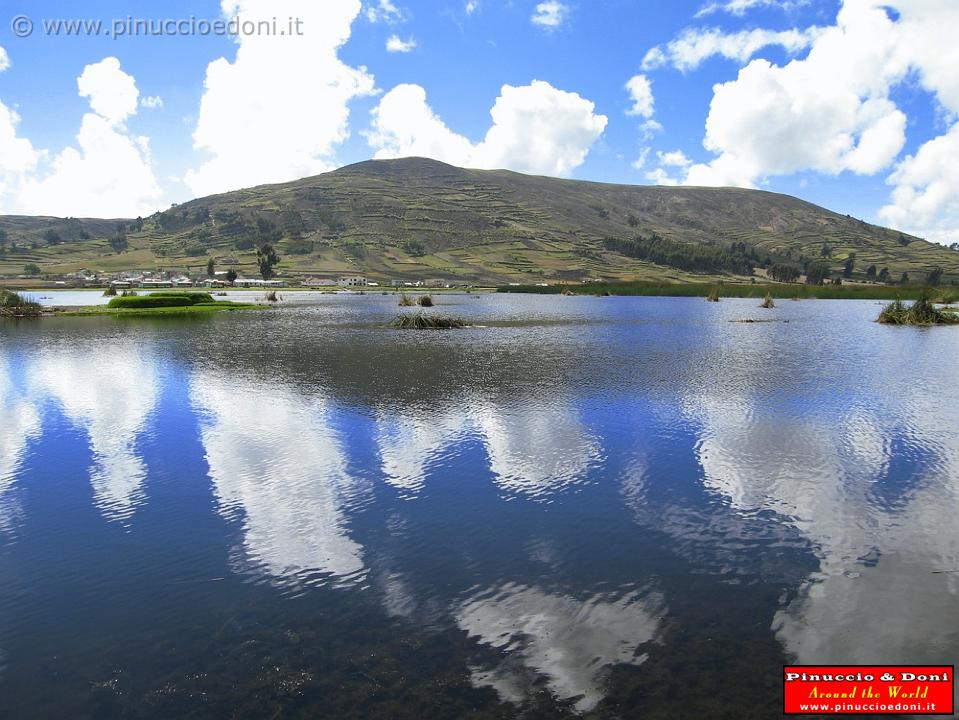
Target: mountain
(417, 219)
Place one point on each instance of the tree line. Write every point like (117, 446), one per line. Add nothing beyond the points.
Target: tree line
(694, 257)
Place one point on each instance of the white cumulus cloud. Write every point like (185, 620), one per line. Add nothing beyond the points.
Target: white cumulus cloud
(17, 156)
(829, 112)
(4, 60)
(280, 109)
(550, 15)
(833, 111)
(108, 174)
(661, 176)
(695, 46)
(536, 129)
(676, 158)
(641, 93)
(112, 93)
(396, 44)
(926, 196)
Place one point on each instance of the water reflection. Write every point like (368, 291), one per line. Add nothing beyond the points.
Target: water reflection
(109, 391)
(873, 485)
(569, 641)
(768, 481)
(536, 449)
(409, 442)
(533, 449)
(275, 461)
(21, 423)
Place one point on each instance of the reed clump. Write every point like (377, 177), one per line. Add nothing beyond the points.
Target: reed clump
(428, 322)
(272, 297)
(13, 304)
(768, 302)
(921, 312)
(713, 295)
(110, 291)
(425, 301)
(407, 301)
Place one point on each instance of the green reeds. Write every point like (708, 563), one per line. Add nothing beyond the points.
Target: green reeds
(713, 295)
(921, 312)
(15, 305)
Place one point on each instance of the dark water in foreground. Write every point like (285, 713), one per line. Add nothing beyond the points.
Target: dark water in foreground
(622, 507)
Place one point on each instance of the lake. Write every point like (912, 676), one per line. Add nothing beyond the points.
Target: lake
(599, 507)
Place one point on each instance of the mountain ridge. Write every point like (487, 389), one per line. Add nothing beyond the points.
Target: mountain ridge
(416, 218)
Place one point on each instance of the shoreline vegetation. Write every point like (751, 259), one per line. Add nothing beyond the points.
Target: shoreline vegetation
(15, 305)
(758, 291)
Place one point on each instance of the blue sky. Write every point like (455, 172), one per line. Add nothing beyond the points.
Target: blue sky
(851, 104)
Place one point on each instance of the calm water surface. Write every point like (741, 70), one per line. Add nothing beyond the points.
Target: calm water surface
(610, 508)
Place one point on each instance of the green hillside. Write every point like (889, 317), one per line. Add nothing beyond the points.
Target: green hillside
(417, 219)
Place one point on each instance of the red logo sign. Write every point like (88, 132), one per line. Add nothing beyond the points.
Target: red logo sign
(869, 689)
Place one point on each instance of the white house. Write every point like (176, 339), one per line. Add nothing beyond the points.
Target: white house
(352, 281)
(257, 283)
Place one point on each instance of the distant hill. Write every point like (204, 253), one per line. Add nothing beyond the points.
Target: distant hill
(417, 219)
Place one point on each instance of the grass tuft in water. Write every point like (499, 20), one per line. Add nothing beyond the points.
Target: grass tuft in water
(768, 302)
(427, 322)
(713, 295)
(921, 312)
(425, 301)
(406, 301)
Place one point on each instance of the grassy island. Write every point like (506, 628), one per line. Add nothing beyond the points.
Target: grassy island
(161, 303)
(921, 312)
(14, 305)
